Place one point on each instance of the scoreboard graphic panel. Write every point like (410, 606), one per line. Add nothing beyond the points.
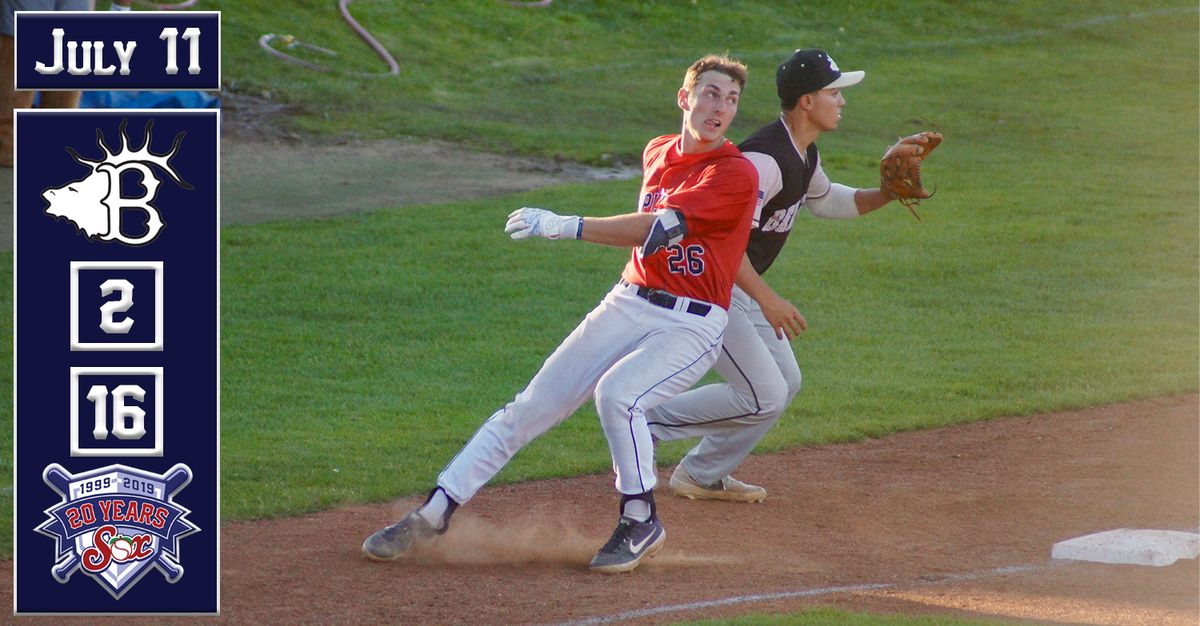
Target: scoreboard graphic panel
(116, 312)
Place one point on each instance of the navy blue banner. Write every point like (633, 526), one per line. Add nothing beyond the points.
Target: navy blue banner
(116, 333)
(159, 50)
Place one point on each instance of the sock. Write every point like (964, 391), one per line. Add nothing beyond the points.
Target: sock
(637, 509)
(117, 7)
(437, 509)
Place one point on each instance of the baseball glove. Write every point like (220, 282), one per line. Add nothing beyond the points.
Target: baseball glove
(900, 169)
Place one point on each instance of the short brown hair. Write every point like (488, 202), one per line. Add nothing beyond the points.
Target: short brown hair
(719, 62)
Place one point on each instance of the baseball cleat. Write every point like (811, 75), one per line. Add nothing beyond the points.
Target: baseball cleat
(729, 488)
(631, 542)
(399, 539)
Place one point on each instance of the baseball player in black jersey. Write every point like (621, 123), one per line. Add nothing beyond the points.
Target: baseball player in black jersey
(757, 361)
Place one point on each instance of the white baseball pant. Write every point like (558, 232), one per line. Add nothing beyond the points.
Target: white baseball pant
(630, 355)
(762, 377)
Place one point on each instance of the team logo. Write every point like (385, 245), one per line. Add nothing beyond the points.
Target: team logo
(655, 199)
(117, 523)
(96, 202)
(833, 65)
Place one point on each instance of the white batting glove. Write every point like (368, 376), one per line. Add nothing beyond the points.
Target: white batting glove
(531, 222)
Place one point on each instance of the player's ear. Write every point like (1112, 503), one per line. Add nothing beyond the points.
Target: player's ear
(682, 97)
(806, 101)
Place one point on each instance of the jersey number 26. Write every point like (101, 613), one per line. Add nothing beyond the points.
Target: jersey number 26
(689, 260)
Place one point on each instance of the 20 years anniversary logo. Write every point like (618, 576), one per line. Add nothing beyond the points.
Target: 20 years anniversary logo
(116, 523)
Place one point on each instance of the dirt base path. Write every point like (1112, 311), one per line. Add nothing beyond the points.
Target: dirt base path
(269, 173)
(264, 180)
(949, 521)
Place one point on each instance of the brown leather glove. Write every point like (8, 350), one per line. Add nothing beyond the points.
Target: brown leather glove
(900, 169)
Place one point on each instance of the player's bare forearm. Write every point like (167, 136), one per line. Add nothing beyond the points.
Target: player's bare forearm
(623, 231)
(868, 200)
(779, 313)
(749, 281)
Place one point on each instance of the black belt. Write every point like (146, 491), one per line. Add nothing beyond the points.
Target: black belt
(667, 300)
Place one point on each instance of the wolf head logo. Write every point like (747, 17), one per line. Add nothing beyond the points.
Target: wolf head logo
(95, 203)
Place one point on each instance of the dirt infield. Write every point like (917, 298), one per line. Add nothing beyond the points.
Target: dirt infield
(271, 173)
(949, 521)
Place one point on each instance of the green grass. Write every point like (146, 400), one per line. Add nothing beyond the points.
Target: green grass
(1055, 268)
(1038, 281)
(588, 78)
(393, 335)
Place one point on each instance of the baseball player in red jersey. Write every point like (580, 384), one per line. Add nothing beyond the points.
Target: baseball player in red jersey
(653, 336)
(757, 362)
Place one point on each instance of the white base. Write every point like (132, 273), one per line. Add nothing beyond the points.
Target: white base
(1130, 546)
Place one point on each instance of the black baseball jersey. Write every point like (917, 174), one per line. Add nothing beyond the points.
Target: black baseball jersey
(774, 216)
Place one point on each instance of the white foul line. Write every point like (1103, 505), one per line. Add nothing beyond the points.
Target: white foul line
(801, 593)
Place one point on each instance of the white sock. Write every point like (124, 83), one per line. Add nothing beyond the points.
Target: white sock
(117, 7)
(435, 510)
(637, 510)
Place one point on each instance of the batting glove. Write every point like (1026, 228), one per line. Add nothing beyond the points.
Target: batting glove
(531, 222)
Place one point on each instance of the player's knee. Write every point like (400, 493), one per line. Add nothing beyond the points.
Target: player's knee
(774, 393)
(772, 398)
(611, 405)
(792, 379)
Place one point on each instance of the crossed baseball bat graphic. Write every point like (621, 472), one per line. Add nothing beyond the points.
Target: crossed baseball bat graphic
(174, 480)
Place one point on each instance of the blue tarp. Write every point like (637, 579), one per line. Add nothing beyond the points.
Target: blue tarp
(148, 100)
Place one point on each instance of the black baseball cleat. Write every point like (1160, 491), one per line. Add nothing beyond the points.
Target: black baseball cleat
(631, 542)
(399, 539)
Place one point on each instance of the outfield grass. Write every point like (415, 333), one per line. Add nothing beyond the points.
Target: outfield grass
(1055, 268)
(588, 78)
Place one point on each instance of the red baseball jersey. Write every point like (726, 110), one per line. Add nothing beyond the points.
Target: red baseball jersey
(715, 192)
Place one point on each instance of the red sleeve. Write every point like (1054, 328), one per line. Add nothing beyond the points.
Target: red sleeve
(718, 200)
(654, 150)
